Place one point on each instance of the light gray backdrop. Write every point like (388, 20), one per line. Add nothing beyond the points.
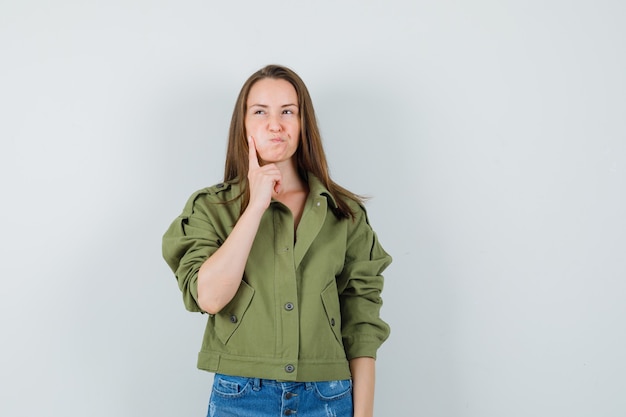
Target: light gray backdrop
(490, 134)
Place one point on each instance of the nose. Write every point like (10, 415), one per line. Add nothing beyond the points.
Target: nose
(274, 124)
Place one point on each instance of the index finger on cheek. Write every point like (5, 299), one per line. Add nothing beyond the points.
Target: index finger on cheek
(252, 155)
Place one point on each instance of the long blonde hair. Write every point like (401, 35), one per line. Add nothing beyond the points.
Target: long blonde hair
(310, 156)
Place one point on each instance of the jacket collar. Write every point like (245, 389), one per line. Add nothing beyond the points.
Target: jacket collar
(316, 188)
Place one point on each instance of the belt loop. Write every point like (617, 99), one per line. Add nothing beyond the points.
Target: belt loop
(256, 384)
(308, 386)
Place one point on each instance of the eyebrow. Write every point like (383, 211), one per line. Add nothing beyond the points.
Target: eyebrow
(266, 106)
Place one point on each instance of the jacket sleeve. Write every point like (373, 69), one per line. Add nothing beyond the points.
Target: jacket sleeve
(360, 285)
(187, 243)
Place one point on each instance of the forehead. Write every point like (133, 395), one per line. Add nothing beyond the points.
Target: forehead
(272, 91)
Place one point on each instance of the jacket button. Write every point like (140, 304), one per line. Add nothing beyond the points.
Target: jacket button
(220, 185)
(289, 306)
(332, 322)
(290, 368)
(233, 319)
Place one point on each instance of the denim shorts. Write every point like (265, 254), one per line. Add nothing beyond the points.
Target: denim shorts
(234, 396)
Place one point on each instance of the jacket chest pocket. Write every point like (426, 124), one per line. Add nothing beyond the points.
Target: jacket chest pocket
(229, 319)
(330, 300)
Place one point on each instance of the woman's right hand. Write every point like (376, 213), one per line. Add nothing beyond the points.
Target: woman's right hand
(263, 181)
(220, 275)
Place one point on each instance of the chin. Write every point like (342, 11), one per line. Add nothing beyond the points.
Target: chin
(274, 159)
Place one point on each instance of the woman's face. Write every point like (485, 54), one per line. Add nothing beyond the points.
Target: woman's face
(273, 119)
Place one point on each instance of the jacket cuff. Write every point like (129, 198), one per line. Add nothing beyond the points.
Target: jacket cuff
(361, 347)
(190, 296)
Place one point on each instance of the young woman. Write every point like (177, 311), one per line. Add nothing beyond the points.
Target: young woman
(286, 265)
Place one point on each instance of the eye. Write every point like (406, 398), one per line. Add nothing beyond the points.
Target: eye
(259, 111)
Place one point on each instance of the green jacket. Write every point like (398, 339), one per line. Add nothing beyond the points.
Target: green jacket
(302, 310)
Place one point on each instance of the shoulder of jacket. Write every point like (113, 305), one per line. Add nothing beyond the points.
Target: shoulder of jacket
(213, 193)
(361, 216)
(358, 207)
(217, 188)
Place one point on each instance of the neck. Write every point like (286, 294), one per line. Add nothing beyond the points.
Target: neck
(291, 179)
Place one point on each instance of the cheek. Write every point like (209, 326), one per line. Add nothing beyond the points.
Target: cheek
(251, 125)
(295, 130)
(248, 127)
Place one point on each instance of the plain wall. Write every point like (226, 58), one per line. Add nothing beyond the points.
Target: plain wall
(491, 136)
